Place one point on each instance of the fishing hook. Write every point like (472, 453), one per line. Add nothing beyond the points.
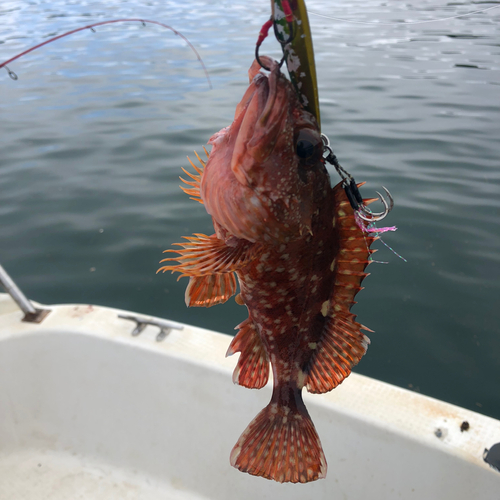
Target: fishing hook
(352, 191)
(264, 31)
(367, 215)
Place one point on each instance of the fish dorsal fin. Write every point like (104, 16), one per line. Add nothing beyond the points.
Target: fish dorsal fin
(342, 344)
(252, 369)
(194, 190)
(207, 291)
(204, 255)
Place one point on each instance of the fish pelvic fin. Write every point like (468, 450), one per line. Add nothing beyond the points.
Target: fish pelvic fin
(203, 255)
(252, 369)
(194, 190)
(280, 444)
(207, 291)
(342, 344)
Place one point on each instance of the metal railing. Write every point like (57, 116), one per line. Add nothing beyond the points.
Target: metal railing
(35, 315)
(31, 313)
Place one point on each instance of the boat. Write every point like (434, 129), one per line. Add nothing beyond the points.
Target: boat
(101, 403)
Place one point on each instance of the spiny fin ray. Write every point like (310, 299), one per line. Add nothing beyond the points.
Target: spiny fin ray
(195, 192)
(203, 255)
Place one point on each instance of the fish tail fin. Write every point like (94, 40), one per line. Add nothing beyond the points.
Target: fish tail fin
(280, 444)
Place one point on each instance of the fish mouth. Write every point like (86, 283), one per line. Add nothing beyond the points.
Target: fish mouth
(261, 117)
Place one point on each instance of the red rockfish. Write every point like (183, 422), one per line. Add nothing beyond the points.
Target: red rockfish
(299, 255)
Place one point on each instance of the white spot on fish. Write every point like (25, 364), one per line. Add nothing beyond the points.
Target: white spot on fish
(254, 201)
(332, 266)
(301, 379)
(312, 345)
(324, 308)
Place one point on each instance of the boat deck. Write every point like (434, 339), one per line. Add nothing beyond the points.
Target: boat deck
(88, 411)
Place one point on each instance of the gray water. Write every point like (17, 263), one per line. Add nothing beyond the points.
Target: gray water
(96, 129)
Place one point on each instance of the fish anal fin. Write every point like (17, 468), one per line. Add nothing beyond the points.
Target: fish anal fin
(203, 255)
(207, 291)
(252, 369)
(340, 348)
(280, 444)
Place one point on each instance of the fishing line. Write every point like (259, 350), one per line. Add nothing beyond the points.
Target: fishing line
(403, 23)
(91, 27)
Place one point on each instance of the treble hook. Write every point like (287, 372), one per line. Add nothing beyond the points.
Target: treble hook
(367, 215)
(352, 191)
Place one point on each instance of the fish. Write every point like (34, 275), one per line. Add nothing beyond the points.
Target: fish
(297, 250)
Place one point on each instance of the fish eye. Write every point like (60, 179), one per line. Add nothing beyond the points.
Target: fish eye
(309, 147)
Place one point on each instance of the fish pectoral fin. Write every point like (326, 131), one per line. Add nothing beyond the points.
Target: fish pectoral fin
(341, 347)
(204, 255)
(282, 444)
(252, 369)
(207, 291)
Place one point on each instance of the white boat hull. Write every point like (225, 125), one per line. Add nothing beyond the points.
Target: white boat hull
(88, 411)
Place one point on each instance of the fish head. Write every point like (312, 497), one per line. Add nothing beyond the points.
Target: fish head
(259, 180)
